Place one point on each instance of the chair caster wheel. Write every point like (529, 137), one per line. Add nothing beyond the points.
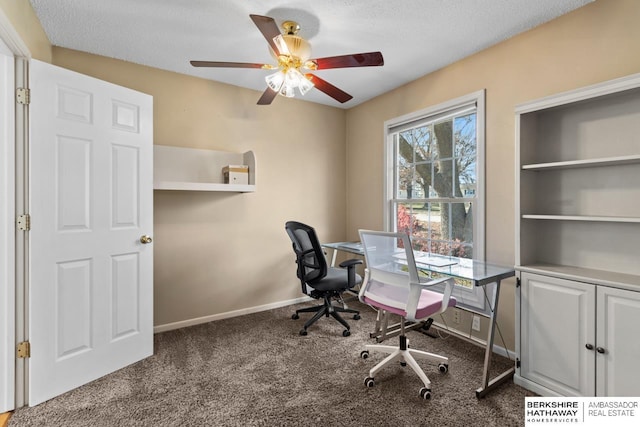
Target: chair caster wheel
(303, 332)
(425, 393)
(364, 354)
(295, 316)
(356, 317)
(403, 363)
(369, 382)
(427, 324)
(443, 368)
(346, 333)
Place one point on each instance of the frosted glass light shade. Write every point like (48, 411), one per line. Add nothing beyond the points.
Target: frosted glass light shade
(275, 80)
(293, 77)
(305, 85)
(287, 91)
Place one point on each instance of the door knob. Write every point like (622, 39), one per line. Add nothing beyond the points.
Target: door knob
(145, 239)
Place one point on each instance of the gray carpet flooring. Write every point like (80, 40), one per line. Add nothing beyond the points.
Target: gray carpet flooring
(256, 370)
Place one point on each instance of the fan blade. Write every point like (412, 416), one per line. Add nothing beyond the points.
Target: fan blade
(227, 64)
(369, 59)
(269, 30)
(326, 87)
(267, 97)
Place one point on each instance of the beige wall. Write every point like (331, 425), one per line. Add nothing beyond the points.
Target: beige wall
(25, 22)
(598, 42)
(219, 252)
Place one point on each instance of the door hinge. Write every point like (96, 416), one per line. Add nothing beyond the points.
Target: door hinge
(24, 350)
(24, 222)
(517, 363)
(23, 95)
(518, 283)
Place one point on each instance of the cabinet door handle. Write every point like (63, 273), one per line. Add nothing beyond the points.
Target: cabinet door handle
(589, 346)
(600, 350)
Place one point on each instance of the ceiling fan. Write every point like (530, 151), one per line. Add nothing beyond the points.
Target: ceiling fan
(292, 53)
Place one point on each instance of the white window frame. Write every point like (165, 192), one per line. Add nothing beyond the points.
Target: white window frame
(471, 299)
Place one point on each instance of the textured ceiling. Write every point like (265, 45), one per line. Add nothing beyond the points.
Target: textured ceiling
(415, 37)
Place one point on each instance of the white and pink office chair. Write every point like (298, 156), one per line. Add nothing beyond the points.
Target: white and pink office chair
(392, 283)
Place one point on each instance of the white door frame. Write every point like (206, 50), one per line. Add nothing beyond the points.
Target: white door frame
(12, 245)
(7, 237)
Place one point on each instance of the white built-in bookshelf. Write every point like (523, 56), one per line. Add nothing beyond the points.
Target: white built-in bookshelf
(578, 179)
(578, 241)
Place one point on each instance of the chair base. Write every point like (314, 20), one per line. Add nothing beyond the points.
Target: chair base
(327, 309)
(407, 356)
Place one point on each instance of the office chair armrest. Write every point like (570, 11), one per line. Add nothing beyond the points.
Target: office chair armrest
(414, 296)
(350, 262)
(434, 282)
(363, 286)
(350, 265)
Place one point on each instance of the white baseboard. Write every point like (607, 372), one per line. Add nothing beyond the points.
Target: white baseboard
(235, 313)
(227, 315)
(504, 352)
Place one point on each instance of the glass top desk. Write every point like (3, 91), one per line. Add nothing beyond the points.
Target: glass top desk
(480, 274)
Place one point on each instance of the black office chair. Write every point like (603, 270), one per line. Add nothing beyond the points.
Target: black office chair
(318, 280)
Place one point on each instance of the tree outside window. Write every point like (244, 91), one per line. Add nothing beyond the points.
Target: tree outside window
(436, 184)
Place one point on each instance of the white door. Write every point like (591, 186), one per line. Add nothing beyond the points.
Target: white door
(91, 200)
(557, 323)
(618, 349)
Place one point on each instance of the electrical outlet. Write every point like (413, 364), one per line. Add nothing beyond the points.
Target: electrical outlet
(456, 316)
(476, 323)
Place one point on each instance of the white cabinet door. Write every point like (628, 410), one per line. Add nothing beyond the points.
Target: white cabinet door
(618, 345)
(557, 323)
(91, 199)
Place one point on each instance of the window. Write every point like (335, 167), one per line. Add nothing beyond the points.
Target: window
(435, 182)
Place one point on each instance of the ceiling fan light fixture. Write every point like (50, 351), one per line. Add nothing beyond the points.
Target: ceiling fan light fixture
(287, 91)
(298, 47)
(292, 77)
(275, 80)
(292, 54)
(305, 85)
(285, 81)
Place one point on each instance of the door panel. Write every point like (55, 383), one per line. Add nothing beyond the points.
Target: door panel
(73, 183)
(617, 368)
(91, 198)
(73, 308)
(125, 270)
(125, 186)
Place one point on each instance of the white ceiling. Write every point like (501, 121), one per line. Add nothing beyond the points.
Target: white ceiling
(415, 37)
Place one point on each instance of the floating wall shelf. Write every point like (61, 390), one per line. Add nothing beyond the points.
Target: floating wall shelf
(191, 169)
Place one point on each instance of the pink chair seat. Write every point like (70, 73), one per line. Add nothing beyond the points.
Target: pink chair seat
(429, 303)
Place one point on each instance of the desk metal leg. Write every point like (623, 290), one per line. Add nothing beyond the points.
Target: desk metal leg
(488, 385)
(333, 258)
